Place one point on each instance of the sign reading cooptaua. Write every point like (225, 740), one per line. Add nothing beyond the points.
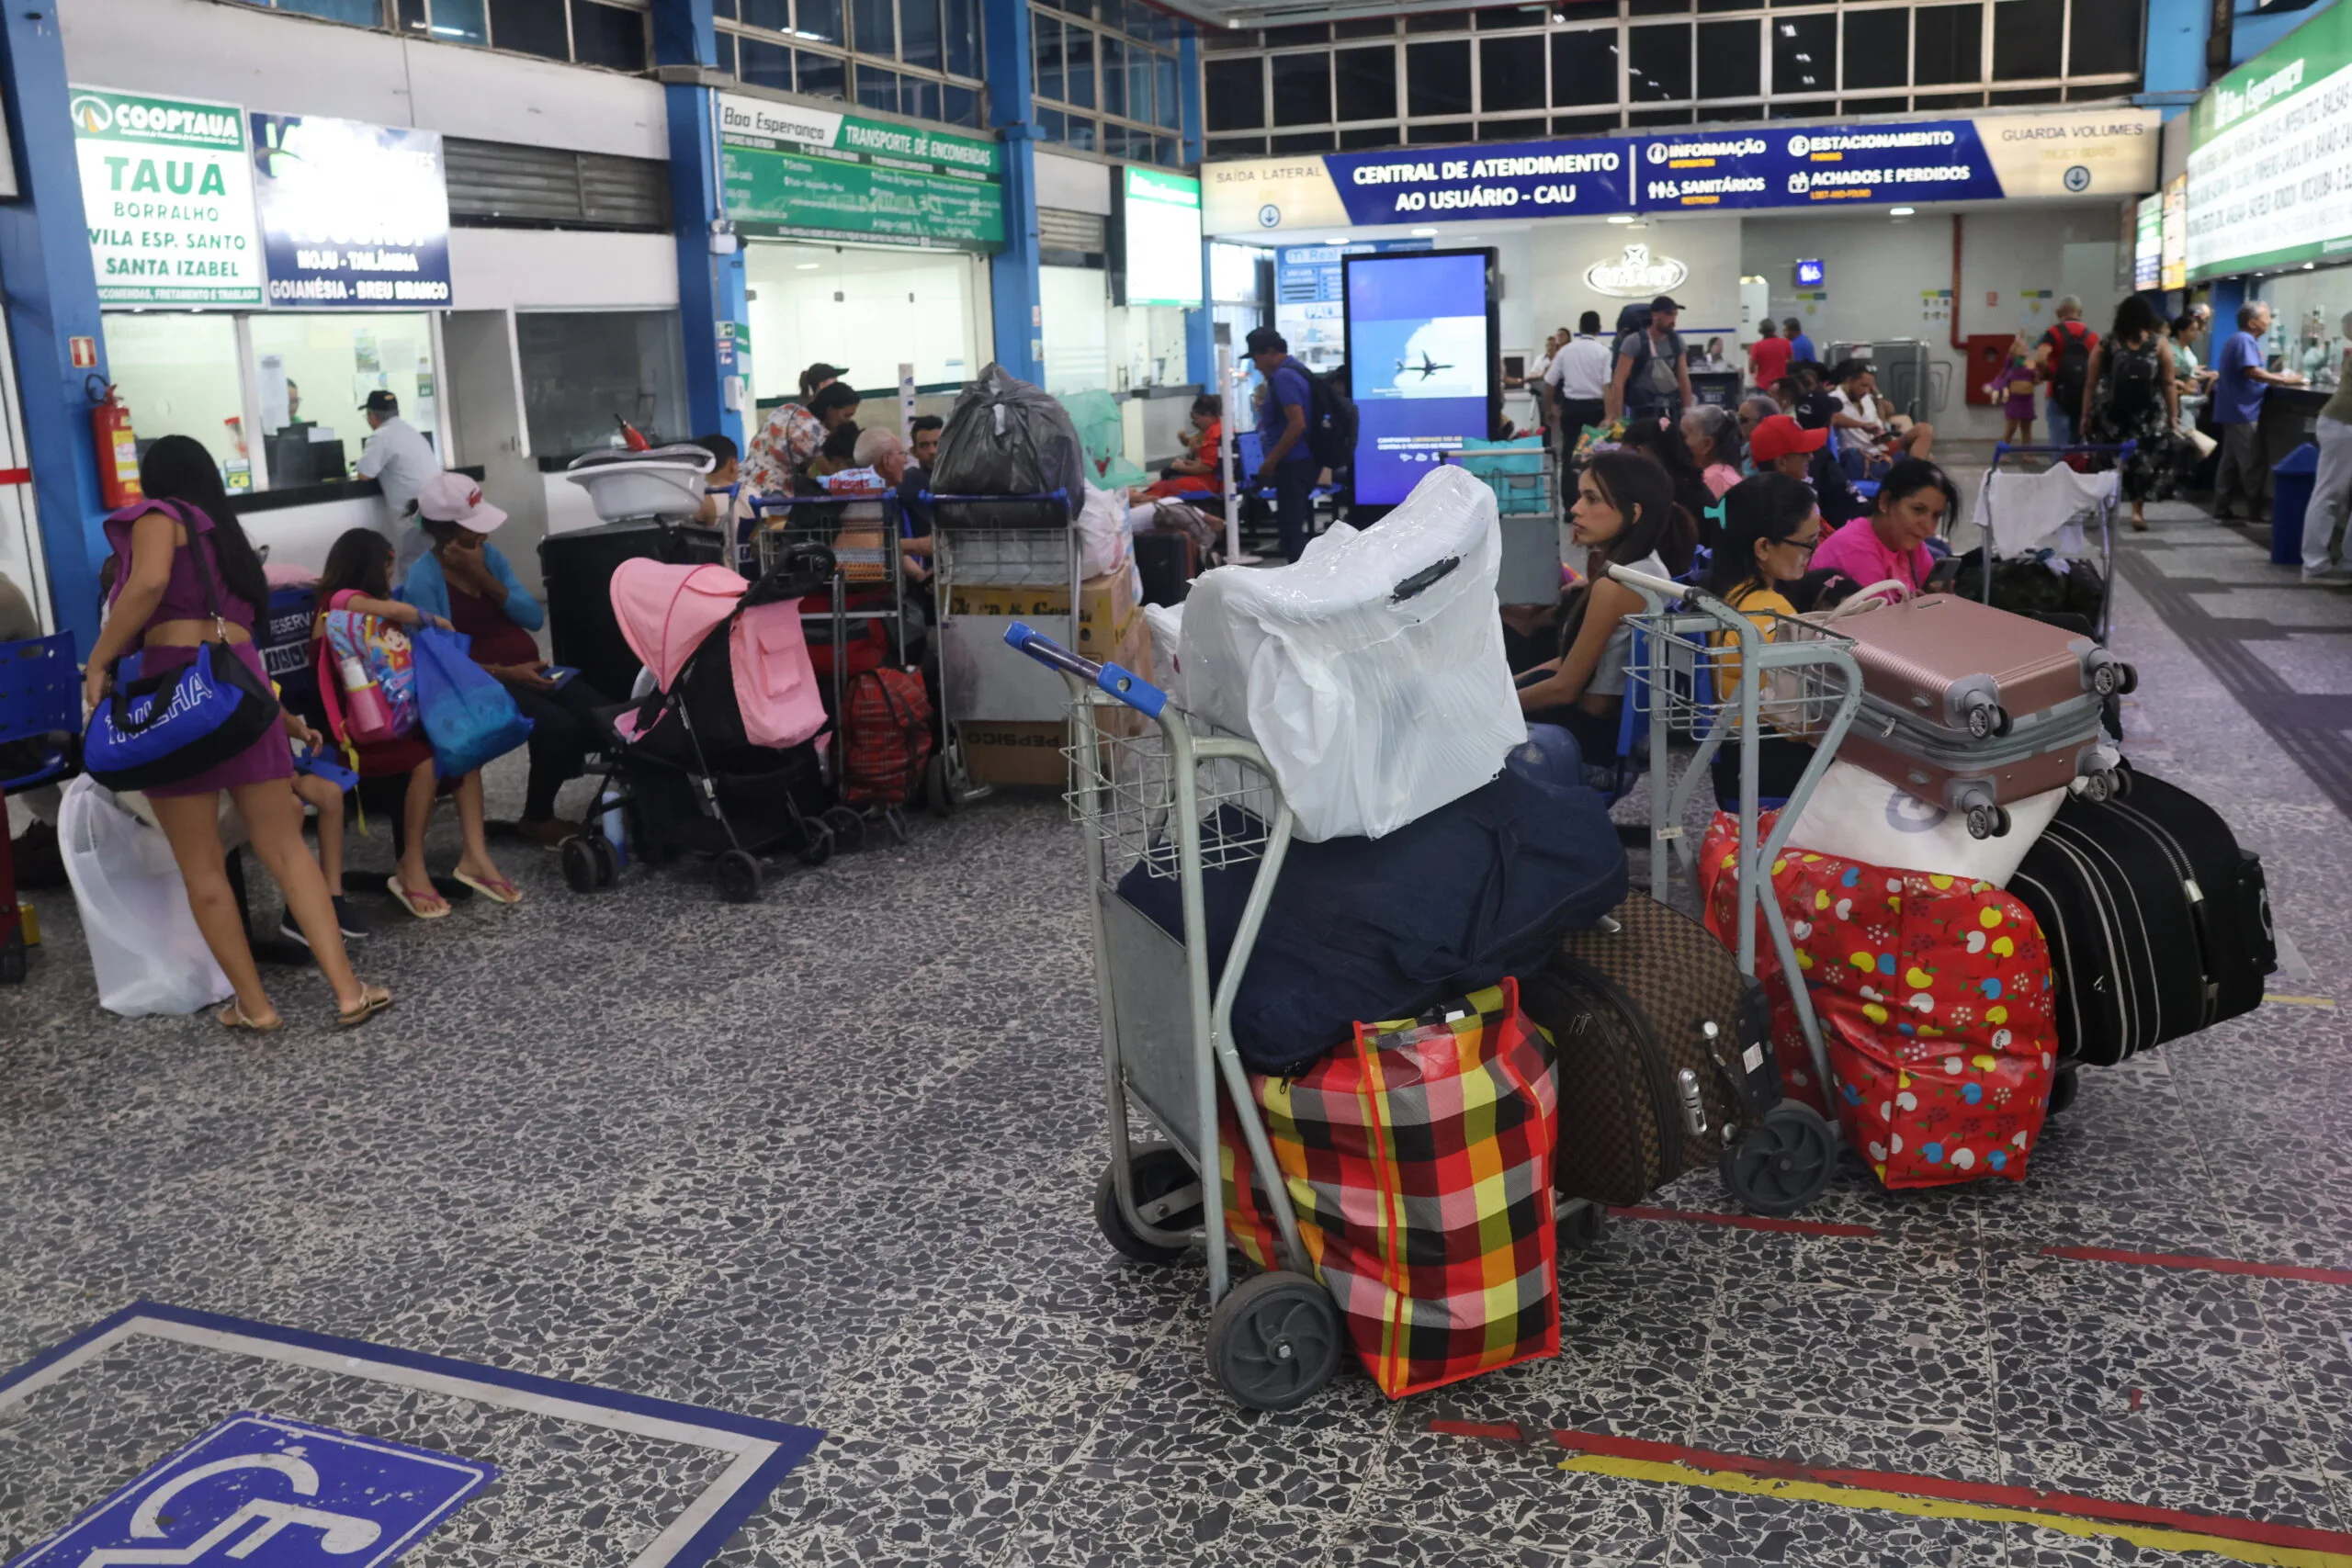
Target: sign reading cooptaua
(167, 193)
(791, 170)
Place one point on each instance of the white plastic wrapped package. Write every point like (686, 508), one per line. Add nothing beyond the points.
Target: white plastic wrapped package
(1102, 533)
(1372, 669)
(1167, 623)
(144, 947)
(1856, 814)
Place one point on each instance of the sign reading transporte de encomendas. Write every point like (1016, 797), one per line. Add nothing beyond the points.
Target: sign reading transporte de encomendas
(792, 170)
(167, 195)
(2270, 155)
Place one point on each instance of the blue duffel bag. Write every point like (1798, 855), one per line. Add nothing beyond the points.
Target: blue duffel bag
(1370, 928)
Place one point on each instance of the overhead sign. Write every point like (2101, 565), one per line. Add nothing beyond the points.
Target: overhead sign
(1636, 275)
(1812, 273)
(297, 1494)
(167, 195)
(2066, 154)
(2148, 243)
(1310, 297)
(790, 170)
(2174, 272)
(353, 217)
(1160, 237)
(2267, 184)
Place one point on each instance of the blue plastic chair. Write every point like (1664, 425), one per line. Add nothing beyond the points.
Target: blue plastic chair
(40, 696)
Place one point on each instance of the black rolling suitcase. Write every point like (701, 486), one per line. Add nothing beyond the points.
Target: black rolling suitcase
(2158, 923)
(1167, 563)
(1665, 1051)
(578, 566)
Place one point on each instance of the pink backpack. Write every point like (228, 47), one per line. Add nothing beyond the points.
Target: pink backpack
(367, 676)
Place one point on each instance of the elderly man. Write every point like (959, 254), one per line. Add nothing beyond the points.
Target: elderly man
(881, 450)
(2246, 378)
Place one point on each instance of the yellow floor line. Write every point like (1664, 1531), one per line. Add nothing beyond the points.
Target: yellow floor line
(2300, 1001)
(1936, 1508)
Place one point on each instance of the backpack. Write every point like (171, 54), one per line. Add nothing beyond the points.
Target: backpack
(1641, 382)
(2072, 369)
(2131, 385)
(384, 655)
(1331, 422)
(886, 723)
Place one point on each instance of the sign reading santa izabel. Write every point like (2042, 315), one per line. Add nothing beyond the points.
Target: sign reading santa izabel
(167, 193)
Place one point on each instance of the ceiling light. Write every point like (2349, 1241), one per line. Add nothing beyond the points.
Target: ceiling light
(806, 266)
(1621, 218)
(1424, 233)
(1901, 211)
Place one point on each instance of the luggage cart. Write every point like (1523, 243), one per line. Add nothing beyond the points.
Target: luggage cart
(1526, 483)
(1000, 562)
(2103, 514)
(1708, 671)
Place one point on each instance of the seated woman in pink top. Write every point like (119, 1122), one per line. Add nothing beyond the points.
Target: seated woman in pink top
(1891, 540)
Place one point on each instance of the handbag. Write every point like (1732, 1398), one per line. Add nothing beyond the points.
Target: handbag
(469, 718)
(164, 728)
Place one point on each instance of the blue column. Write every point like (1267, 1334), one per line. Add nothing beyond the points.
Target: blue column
(52, 297)
(1018, 311)
(712, 312)
(1200, 343)
(2175, 55)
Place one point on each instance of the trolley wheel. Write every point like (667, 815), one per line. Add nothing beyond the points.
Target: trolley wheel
(1156, 1171)
(608, 860)
(1782, 1162)
(739, 877)
(2106, 678)
(1986, 720)
(1987, 821)
(937, 793)
(2063, 1086)
(816, 844)
(849, 828)
(1581, 1223)
(1274, 1341)
(580, 863)
(14, 960)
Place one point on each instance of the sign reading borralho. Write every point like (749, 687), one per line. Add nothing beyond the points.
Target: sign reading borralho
(167, 193)
(792, 170)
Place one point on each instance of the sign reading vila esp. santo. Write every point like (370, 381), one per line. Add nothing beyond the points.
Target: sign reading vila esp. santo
(353, 217)
(167, 193)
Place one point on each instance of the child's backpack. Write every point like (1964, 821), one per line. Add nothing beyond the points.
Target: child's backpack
(366, 675)
(886, 730)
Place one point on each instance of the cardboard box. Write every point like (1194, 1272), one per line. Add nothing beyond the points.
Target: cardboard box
(1031, 753)
(1104, 602)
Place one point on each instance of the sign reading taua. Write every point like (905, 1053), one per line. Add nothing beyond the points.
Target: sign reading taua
(167, 193)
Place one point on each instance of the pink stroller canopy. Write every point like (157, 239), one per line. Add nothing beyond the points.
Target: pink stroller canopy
(666, 611)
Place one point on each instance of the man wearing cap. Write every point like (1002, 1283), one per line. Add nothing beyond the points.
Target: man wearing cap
(398, 457)
(1783, 445)
(1653, 375)
(1286, 465)
(465, 580)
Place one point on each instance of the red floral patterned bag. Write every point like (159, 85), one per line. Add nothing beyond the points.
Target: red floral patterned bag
(1935, 999)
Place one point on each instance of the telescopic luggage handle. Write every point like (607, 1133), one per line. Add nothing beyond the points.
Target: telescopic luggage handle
(1125, 684)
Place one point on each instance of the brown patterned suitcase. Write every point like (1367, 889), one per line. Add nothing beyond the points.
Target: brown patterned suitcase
(1665, 1063)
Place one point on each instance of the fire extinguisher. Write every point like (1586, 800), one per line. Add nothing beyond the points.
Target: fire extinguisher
(118, 452)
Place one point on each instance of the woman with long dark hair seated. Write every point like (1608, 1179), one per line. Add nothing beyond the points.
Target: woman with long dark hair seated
(1772, 527)
(1660, 441)
(164, 608)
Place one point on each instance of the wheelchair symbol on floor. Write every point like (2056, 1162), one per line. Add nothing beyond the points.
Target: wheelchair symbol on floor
(273, 1494)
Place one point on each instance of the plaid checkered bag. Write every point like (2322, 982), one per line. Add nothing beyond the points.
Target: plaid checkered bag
(1419, 1161)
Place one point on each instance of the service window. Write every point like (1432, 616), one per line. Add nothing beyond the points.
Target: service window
(176, 372)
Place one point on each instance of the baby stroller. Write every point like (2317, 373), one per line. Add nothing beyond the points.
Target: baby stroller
(720, 758)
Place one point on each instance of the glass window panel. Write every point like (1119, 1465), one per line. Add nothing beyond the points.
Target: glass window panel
(877, 89)
(1583, 124)
(1139, 106)
(1804, 55)
(1435, 22)
(608, 36)
(1438, 77)
(776, 14)
(1659, 64)
(1583, 10)
(2026, 96)
(530, 27)
(1660, 117)
(1584, 66)
(1707, 5)
(2027, 36)
(1495, 17)
(1366, 137)
(878, 28)
(1511, 129)
(1658, 8)
(1167, 93)
(178, 372)
(819, 19)
(1420, 135)
(764, 64)
(1367, 82)
(2103, 36)
(1114, 75)
(1510, 74)
(1080, 133)
(1730, 64)
(918, 33)
(725, 54)
(821, 75)
(578, 366)
(1946, 44)
(962, 26)
(722, 9)
(1926, 101)
(1237, 146)
(1895, 105)
(1052, 124)
(1283, 38)
(460, 21)
(1302, 89)
(1379, 26)
(1878, 49)
(410, 17)
(1045, 46)
(917, 97)
(1235, 91)
(359, 13)
(1305, 141)
(959, 105)
(326, 363)
(1078, 65)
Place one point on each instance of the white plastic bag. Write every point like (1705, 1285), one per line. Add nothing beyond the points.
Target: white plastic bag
(1856, 814)
(144, 946)
(1102, 533)
(1167, 623)
(1372, 669)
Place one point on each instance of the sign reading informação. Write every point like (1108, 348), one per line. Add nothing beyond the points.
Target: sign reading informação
(167, 193)
(792, 170)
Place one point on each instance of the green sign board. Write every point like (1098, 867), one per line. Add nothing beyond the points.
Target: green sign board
(1160, 238)
(791, 170)
(167, 191)
(2265, 142)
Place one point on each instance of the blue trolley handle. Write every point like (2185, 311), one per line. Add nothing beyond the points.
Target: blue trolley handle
(1125, 684)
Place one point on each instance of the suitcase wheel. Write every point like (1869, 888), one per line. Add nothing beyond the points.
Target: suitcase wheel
(1157, 1173)
(2098, 788)
(1582, 1224)
(2106, 678)
(1986, 720)
(2064, 1087)
(1987, 821)
(1274, 1341)
(1784, 1162)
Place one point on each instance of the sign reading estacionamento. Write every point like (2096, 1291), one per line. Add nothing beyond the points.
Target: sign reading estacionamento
(2270, 155)
(167, 193)
(791, 170)
(2107, 153)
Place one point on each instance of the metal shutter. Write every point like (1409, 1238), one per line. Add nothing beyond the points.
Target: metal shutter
(499, 182)
(1060, 229)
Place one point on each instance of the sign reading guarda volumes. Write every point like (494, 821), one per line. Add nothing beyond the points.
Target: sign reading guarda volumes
(792, 170)
(167, 192)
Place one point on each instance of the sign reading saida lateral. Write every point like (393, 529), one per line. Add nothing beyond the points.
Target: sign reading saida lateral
(2270, 155)
(797, 171)
(167, 193)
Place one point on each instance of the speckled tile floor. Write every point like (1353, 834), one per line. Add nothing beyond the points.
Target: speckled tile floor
(829, 1159)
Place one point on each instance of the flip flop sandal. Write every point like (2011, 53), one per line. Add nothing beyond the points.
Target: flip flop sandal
(423, 905)
(497, 890)
(234, 1017)
(373, 1000)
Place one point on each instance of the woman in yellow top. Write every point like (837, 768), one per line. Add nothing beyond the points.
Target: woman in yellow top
(1771, 526)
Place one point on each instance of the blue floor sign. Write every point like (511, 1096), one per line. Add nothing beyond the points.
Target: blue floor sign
(267, 1493)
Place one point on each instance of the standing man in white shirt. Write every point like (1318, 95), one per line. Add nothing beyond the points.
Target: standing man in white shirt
(1577, 382)
(398, 457)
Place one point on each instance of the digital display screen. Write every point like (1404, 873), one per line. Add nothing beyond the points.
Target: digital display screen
(1162, 216)
(1420, 356)
(1811, 275)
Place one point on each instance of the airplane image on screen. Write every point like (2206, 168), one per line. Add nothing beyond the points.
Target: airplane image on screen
(1428, 367)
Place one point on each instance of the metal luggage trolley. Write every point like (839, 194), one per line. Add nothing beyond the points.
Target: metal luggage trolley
(2103, 514)
(1175, 802)
(1709, 672)
(1526, 482)
(1001, 560)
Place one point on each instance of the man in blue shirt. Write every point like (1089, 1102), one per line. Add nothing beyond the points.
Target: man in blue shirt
(1800, 345)
(1284, 404)
(2245, 377)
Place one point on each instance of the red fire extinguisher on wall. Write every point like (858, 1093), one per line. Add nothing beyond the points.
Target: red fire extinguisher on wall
(118, 452)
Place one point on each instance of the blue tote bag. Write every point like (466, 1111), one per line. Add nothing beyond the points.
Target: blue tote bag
(468, 716)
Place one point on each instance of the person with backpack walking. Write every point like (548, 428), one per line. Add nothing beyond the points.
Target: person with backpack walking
(2132, 397)
(2066, 350)
(1286, 410)
(2244, 377)
(1653, 376)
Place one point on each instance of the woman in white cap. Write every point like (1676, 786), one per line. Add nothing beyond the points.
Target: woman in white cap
(465, 578)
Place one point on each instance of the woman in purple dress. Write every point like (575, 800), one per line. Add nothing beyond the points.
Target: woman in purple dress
(160, 609)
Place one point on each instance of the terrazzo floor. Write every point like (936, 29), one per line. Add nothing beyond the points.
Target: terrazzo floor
(829, 1159)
